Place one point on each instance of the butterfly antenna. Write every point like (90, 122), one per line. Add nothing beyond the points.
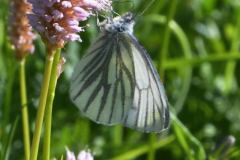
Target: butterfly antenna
(114, 12)
(148, 6)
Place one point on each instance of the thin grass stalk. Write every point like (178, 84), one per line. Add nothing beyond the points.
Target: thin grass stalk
(49, 106)
(41, 107)
(9, 66)
(24, 108)
(8, 92)
(166, 38)
(231, 65)
(183, 41)
(141, 150)
(9, 139)
(190, 144)
(7, 101)
(7, 70)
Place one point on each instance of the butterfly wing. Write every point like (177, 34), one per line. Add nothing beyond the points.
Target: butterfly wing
(149, 111)
(115, 82)
(103, 81)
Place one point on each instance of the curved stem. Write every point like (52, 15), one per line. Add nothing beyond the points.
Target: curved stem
(41, 107)
(196, 61)
(25, 121)
(49, 106)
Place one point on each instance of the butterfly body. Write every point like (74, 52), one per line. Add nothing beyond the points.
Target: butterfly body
(116, 83)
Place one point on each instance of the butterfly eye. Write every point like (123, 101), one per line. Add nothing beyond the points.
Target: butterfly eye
(121, 29)
(128, 20)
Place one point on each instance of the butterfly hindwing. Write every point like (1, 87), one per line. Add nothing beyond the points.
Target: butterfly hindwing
(149, 112)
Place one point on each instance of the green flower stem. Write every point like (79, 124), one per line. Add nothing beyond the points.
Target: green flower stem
(117, 135)
(25, 120)
(134, 153)
(49, 106)
(152, 140)
(41, 107)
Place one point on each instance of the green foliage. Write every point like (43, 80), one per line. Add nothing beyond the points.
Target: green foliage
(195, 44)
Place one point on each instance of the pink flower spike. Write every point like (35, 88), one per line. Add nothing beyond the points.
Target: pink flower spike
(57, 21)
(20, 31)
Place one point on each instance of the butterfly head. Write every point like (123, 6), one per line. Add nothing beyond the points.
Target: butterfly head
(120, 24)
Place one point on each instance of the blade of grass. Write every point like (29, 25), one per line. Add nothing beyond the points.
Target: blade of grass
(9, 63)
(158, 6)
(234, 153)
(191, 146)
(186, 48)
(7, 92)
(162, 57)
(166, 37)
(231, 65)
(7, 147)
(134, 153)
(187, 53)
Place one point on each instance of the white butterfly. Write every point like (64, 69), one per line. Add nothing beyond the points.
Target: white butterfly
(116, 82)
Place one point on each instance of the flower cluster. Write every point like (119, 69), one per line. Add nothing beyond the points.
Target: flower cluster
(20, 31)
(58, 20)
(83, 155)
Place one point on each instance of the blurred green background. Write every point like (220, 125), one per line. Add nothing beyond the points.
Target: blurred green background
(194, 43)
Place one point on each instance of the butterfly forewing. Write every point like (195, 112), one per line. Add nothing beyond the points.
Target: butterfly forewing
(103, 81)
